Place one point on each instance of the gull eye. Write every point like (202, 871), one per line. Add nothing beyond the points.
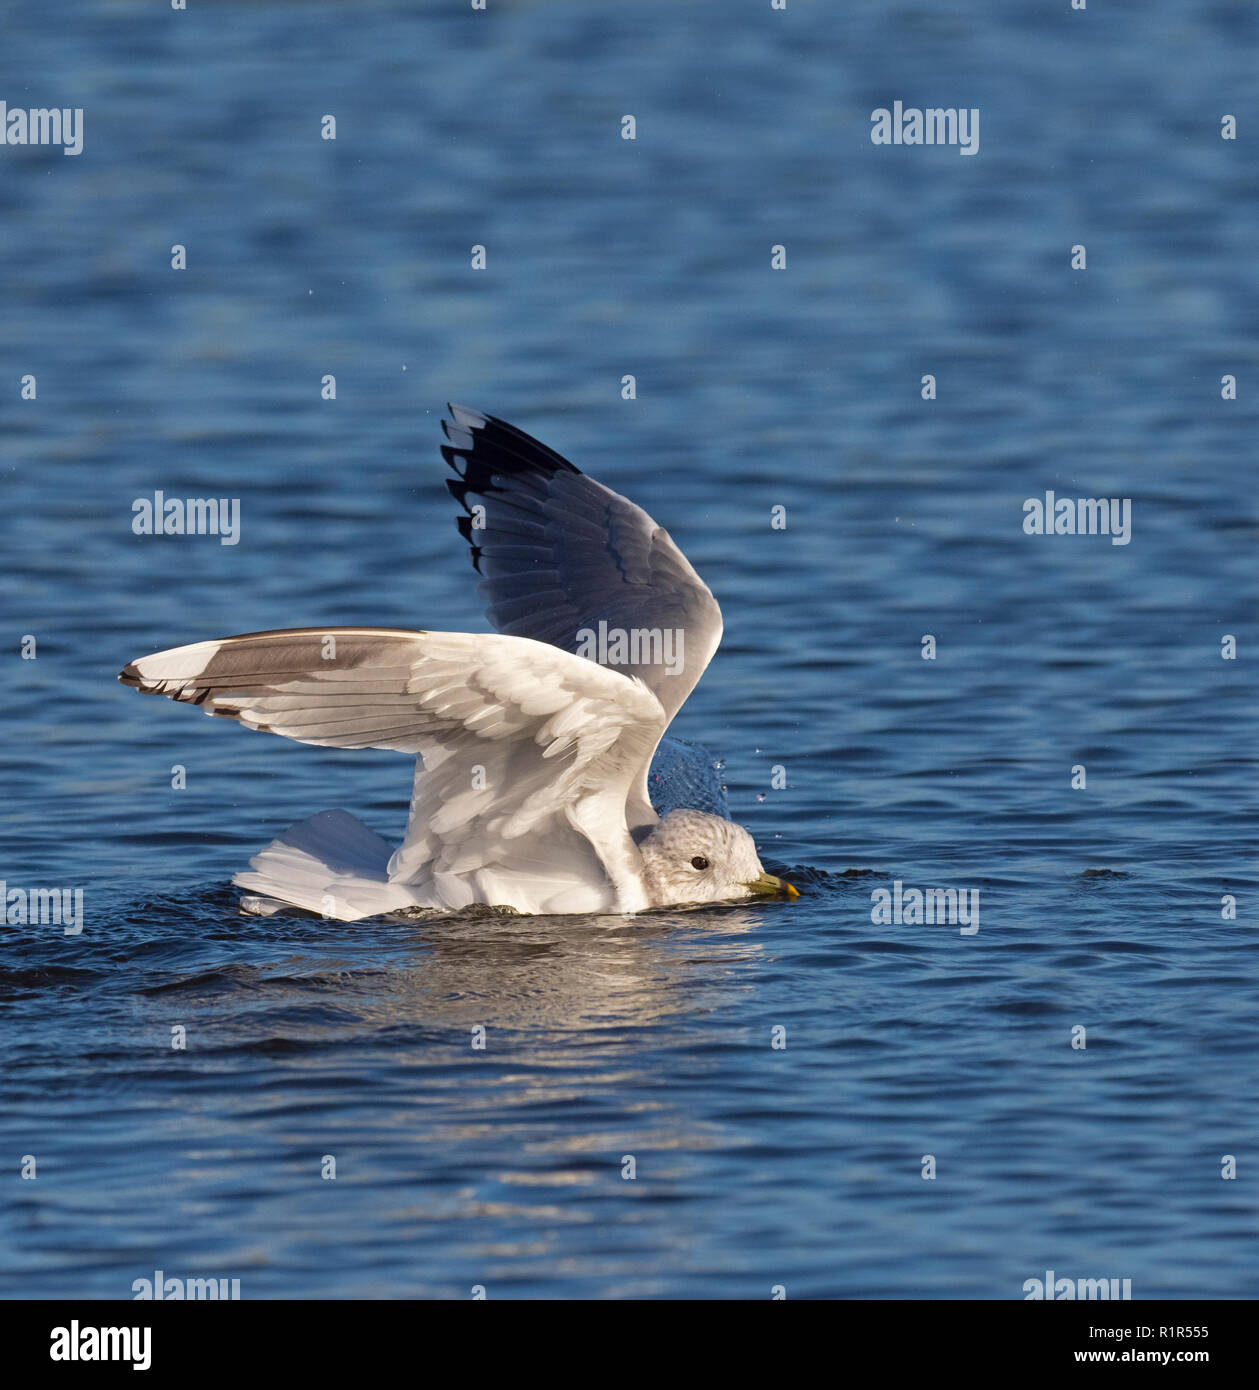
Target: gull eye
(699, 862)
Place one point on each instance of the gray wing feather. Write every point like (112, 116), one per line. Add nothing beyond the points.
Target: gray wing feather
(561, 553)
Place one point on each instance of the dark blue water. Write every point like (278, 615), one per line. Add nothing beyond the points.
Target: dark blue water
(1100, 907)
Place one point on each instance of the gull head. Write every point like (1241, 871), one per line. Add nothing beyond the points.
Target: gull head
(692, 857)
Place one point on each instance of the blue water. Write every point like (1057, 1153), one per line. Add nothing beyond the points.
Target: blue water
(1100, 907)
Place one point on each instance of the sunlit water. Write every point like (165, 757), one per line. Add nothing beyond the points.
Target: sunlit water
(755, 1166)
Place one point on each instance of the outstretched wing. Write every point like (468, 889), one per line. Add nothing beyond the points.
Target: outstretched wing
(529, 753)
(562, 554)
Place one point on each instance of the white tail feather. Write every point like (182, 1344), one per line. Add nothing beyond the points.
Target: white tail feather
(331, 864)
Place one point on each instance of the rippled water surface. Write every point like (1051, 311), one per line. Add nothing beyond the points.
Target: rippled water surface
(1100, 907)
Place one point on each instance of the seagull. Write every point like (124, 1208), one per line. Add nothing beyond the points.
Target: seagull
(533, 743)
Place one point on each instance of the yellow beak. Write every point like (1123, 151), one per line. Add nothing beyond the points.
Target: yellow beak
(769, 886)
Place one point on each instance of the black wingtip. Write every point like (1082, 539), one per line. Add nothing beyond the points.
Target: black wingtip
(454, 457)
(497, 447)
(464, 523)
(492, 457)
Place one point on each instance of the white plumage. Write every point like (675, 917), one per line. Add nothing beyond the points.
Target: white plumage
(531, 785)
